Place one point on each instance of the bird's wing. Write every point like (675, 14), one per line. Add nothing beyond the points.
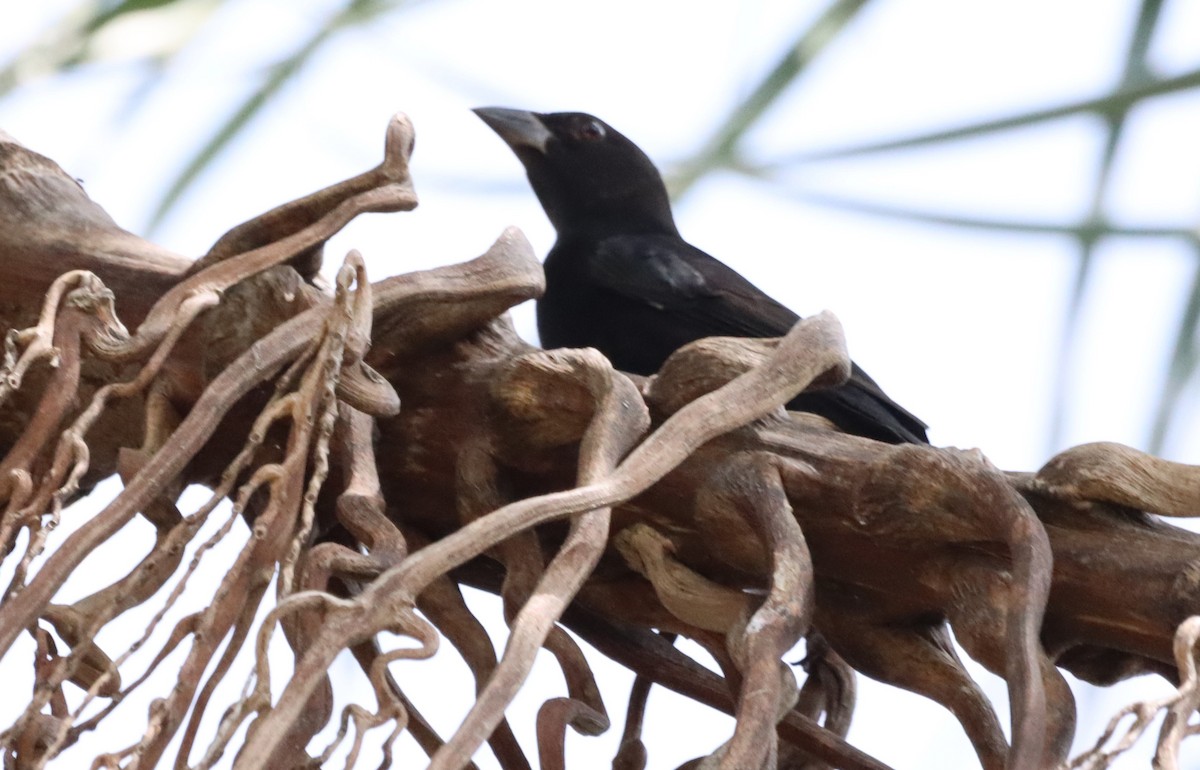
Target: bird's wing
(712, 299)
(671, 275)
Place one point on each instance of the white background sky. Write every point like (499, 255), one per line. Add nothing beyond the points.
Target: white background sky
(961, 326)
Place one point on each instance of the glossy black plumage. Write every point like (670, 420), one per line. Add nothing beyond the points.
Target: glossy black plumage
(621, 279)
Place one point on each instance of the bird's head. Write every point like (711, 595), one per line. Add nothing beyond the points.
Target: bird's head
(587, 175)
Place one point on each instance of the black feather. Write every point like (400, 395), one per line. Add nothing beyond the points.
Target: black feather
(621, 279)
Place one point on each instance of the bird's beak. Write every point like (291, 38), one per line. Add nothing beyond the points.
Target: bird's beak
(518, 128)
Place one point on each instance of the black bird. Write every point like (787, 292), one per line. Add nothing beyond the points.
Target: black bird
(622, 280)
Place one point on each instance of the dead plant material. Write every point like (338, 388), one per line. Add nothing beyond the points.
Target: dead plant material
(387, 443)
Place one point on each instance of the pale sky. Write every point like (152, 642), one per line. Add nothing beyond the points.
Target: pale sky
(962, 326)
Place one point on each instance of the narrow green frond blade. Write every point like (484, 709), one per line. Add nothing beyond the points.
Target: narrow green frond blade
(1117, 102)
(124, 8)
(1084, 229)
(1134, 73)
(64, 41)
(1182, 367)
(69, 44)
(276, 79)
(357, 12)
(720, 149)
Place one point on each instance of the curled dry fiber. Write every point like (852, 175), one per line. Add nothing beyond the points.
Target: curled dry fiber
(390, 442)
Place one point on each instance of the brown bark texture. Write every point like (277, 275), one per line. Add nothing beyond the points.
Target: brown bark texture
(388, 443)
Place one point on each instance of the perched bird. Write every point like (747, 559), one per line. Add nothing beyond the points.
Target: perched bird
(622, 280)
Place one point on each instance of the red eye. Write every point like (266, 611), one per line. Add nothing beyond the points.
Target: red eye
(590, 131)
